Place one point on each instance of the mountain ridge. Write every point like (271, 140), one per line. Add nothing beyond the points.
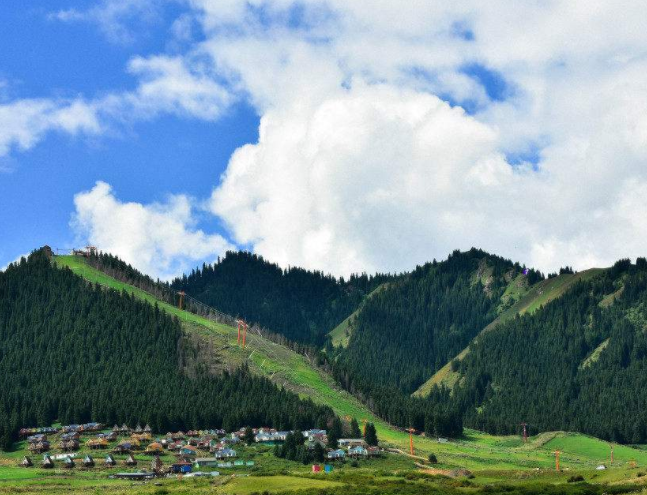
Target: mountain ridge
(467, 301)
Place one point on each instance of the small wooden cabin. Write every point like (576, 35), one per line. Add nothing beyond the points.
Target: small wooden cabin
(48, 463)
(97, 443)
(39, 447)
(88, 461)
(26, 462)
(110, 461)
(225, 454)
(110, 437)
(188, 451)
(154, 448)
(130, 460)
(123, 448)
(69, 445)
(68, 462)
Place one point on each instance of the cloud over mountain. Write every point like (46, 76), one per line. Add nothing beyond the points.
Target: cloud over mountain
(393, 133)
(159, 239)
(358, 167)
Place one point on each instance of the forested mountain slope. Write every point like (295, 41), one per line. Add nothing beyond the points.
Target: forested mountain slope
(407, 331)
(579, 363)
(575, 359)
(75, 352)
(340, 335)
(216, 347)
(299, 304)
(533, 299)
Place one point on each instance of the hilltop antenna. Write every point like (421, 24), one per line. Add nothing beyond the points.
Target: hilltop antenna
(525, 432)
(557, 452)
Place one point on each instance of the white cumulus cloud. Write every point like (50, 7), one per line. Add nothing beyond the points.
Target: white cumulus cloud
(113, 17)
(159, 239)
(358, 167)
(366, 180)
(24, 122)
(170, 85)
(165, 85)
(366, 159)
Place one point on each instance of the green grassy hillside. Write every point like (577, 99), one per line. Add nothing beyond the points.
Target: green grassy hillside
(340, 335)
(391, 474)
(475, 451)
(282, 365)
(527, 301)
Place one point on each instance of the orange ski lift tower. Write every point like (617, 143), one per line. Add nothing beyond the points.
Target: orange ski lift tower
(411, 432)
(242, 326)
(557, 452)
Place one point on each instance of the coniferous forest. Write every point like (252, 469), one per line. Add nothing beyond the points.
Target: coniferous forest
(403, 334)
(301, 305)
(74, 352)
(579, 364)
(77, 353)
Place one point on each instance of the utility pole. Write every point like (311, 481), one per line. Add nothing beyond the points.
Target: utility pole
(611, 445)
(525, 432)
(557, 452)
(181, 303)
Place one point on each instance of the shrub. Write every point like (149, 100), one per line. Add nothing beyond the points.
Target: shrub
(575, 479)
(433, 459)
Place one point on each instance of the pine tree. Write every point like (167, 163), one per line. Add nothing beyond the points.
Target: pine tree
(335, 433)
(318, 452)
(371, 435)
(249, 435)
(355, 432)
(106, 339)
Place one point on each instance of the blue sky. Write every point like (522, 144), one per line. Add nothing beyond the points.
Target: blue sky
(144, 161)
(325, 134)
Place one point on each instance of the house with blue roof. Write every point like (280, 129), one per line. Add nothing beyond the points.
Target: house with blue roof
(336, 454)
